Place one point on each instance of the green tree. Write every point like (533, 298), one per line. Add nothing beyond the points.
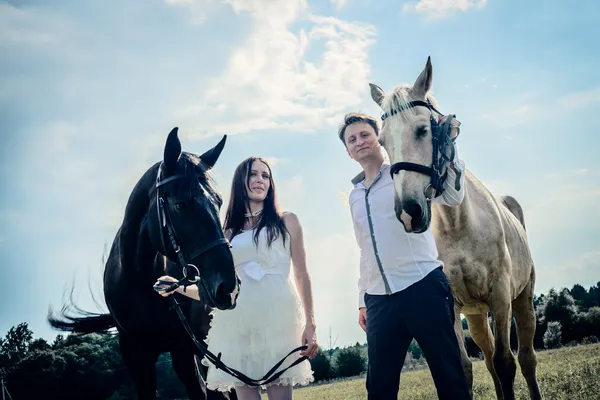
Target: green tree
(38, 345)
(350, 361)
(414, 350)
(39, 375)
(552, 336)
(14, 346)
(321, 366)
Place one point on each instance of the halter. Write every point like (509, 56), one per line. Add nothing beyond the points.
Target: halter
(440, 136)
(191, 273)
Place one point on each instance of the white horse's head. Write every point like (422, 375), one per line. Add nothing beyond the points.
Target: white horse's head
(406, 135)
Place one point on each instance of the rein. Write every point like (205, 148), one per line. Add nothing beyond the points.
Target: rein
(191, 275)
(440, 136)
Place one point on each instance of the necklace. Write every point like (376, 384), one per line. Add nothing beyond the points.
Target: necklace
(253, 214)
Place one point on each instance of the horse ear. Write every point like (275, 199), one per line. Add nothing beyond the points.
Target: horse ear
(211, 156)
(423, 83)
(377, 94)
(172, 149)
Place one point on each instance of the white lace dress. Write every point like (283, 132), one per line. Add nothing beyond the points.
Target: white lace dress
(268, 320)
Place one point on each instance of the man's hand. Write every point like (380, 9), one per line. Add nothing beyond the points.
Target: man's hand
(362, 318)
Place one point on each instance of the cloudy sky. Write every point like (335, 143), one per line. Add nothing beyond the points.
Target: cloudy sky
(90, 89)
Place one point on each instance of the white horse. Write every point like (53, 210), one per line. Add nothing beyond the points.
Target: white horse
(482, 242)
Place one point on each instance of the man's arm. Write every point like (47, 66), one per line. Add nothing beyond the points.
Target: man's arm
(362, 279)
(362, 282)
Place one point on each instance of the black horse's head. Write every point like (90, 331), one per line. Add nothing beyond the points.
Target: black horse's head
(183, 222)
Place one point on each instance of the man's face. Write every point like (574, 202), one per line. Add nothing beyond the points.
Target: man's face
(361, 141)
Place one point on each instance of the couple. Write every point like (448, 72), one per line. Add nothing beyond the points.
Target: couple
(403, 291)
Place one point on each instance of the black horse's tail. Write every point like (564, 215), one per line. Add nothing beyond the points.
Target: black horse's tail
(84, 322)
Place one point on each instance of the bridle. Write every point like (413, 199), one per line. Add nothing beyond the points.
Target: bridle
(191, 273)
(440, 136)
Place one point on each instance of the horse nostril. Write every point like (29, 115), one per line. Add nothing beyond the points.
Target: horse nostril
(221, 291)
(413, 209)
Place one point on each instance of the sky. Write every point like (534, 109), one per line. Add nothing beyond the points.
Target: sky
(90, 90)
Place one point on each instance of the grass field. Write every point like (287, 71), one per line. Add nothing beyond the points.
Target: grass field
(571, 373)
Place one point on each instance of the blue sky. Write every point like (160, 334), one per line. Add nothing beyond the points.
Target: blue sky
(89, 91)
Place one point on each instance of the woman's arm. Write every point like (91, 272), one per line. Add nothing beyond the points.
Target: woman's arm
(302, 280)
(190, 291)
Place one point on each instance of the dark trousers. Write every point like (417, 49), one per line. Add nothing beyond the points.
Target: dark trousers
(423, 311)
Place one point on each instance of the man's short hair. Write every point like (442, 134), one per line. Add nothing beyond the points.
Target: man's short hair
(353, 118)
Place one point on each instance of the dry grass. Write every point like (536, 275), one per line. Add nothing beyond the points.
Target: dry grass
(571, 373)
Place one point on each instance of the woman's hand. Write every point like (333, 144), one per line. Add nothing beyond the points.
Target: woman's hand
(309, 337)
(163, 287)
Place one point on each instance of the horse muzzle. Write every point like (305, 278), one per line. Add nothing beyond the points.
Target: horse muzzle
(223, 298)
(413, 215)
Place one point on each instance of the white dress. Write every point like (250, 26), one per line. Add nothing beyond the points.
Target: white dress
(268, 320)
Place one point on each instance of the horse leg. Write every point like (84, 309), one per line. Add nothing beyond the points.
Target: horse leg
(483, 338)
(140, 362)
(186, 368)
(467, 365)
(504, 361)
(525, 317)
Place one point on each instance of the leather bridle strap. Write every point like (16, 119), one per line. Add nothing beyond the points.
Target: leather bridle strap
(191, 273)
(440, 136)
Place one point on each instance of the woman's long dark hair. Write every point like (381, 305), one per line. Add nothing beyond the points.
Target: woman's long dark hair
(270, 217)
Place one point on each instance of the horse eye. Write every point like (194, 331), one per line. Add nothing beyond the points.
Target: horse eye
(421, 131)
(180, 205)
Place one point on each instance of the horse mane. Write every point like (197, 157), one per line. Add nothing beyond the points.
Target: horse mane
(137, 204)
(211, 183)
(401, 96)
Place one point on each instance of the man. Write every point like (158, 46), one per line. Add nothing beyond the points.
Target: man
(403, 291)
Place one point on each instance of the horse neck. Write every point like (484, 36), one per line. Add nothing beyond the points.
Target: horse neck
(136, 250)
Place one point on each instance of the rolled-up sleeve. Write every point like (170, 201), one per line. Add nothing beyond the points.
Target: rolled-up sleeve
(454, 186)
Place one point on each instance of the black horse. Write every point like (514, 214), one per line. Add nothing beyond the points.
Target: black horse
(173, 205)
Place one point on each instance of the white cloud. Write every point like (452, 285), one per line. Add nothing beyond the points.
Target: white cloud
(291, 193)
(554, 198)
(27, 26)
(71, 174)
(437, 9)
(339, 4)
(273, 161)
(582, 269)
(524, 108)
(566, 174)
(269, 81)
(198, 9)
(270, 12)
(332, 262)
(582, 98)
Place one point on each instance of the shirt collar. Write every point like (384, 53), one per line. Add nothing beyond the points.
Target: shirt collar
(361, 176)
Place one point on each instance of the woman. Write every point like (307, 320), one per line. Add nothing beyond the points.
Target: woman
(271, 318)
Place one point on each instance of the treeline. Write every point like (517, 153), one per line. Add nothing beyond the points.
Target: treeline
(90, 366)
(563, 318)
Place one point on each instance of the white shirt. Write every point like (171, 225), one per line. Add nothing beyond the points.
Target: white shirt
(390, 258)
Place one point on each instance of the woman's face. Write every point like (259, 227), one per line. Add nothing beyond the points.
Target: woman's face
(259, 182)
